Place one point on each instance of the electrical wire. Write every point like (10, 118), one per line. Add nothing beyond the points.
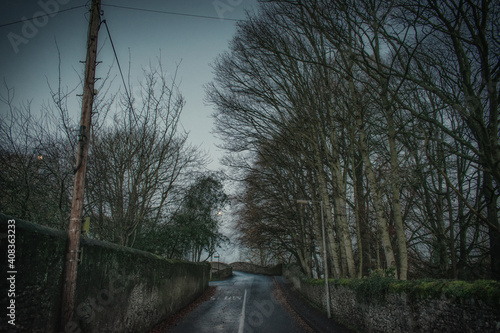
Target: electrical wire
(129, 8)
(173, 13)
(109, 34)
(38, 16)
(119, 67)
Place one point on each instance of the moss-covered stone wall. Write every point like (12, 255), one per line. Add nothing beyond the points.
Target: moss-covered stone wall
(386, 305)
(118, 289)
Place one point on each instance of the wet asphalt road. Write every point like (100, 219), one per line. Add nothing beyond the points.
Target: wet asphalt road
(243, 303)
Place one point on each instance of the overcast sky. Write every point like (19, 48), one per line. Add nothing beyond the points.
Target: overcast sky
(29, 58)
(28, 54)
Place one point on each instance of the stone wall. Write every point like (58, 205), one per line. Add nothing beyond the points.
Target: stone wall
(118, 289)
(220, 271)
(256, 269)
(398, 312)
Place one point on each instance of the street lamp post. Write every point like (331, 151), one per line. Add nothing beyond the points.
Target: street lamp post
(325, 263)
(218, 263)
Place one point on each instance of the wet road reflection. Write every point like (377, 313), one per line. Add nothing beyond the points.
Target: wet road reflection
(243, 303)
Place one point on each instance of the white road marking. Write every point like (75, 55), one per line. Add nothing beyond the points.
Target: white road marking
(242, 317)
(226, 298)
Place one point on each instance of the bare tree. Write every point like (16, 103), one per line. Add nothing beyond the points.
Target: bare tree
(373, 86)
(137, 164)
(35, 168)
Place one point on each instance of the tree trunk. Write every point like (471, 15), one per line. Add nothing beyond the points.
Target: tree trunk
(339, 202)
(396, 198)
(383, 228)
(491, 199)
(361, 218)
(329, 230)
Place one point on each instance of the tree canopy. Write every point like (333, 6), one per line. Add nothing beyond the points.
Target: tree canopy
(383, 115)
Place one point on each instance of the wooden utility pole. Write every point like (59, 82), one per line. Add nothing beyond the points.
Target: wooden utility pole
(75, 222)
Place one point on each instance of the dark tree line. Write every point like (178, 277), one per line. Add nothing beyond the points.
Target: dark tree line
(145, 187)
(386, 113)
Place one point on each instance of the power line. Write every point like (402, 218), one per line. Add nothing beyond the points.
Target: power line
(129, 8)
(152, 11)
(38, 16)
(174, 13)
(119, 67)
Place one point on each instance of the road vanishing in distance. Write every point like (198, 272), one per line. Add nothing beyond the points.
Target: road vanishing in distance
(244, 303)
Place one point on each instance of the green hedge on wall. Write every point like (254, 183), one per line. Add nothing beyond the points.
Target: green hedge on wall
(375, 288)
